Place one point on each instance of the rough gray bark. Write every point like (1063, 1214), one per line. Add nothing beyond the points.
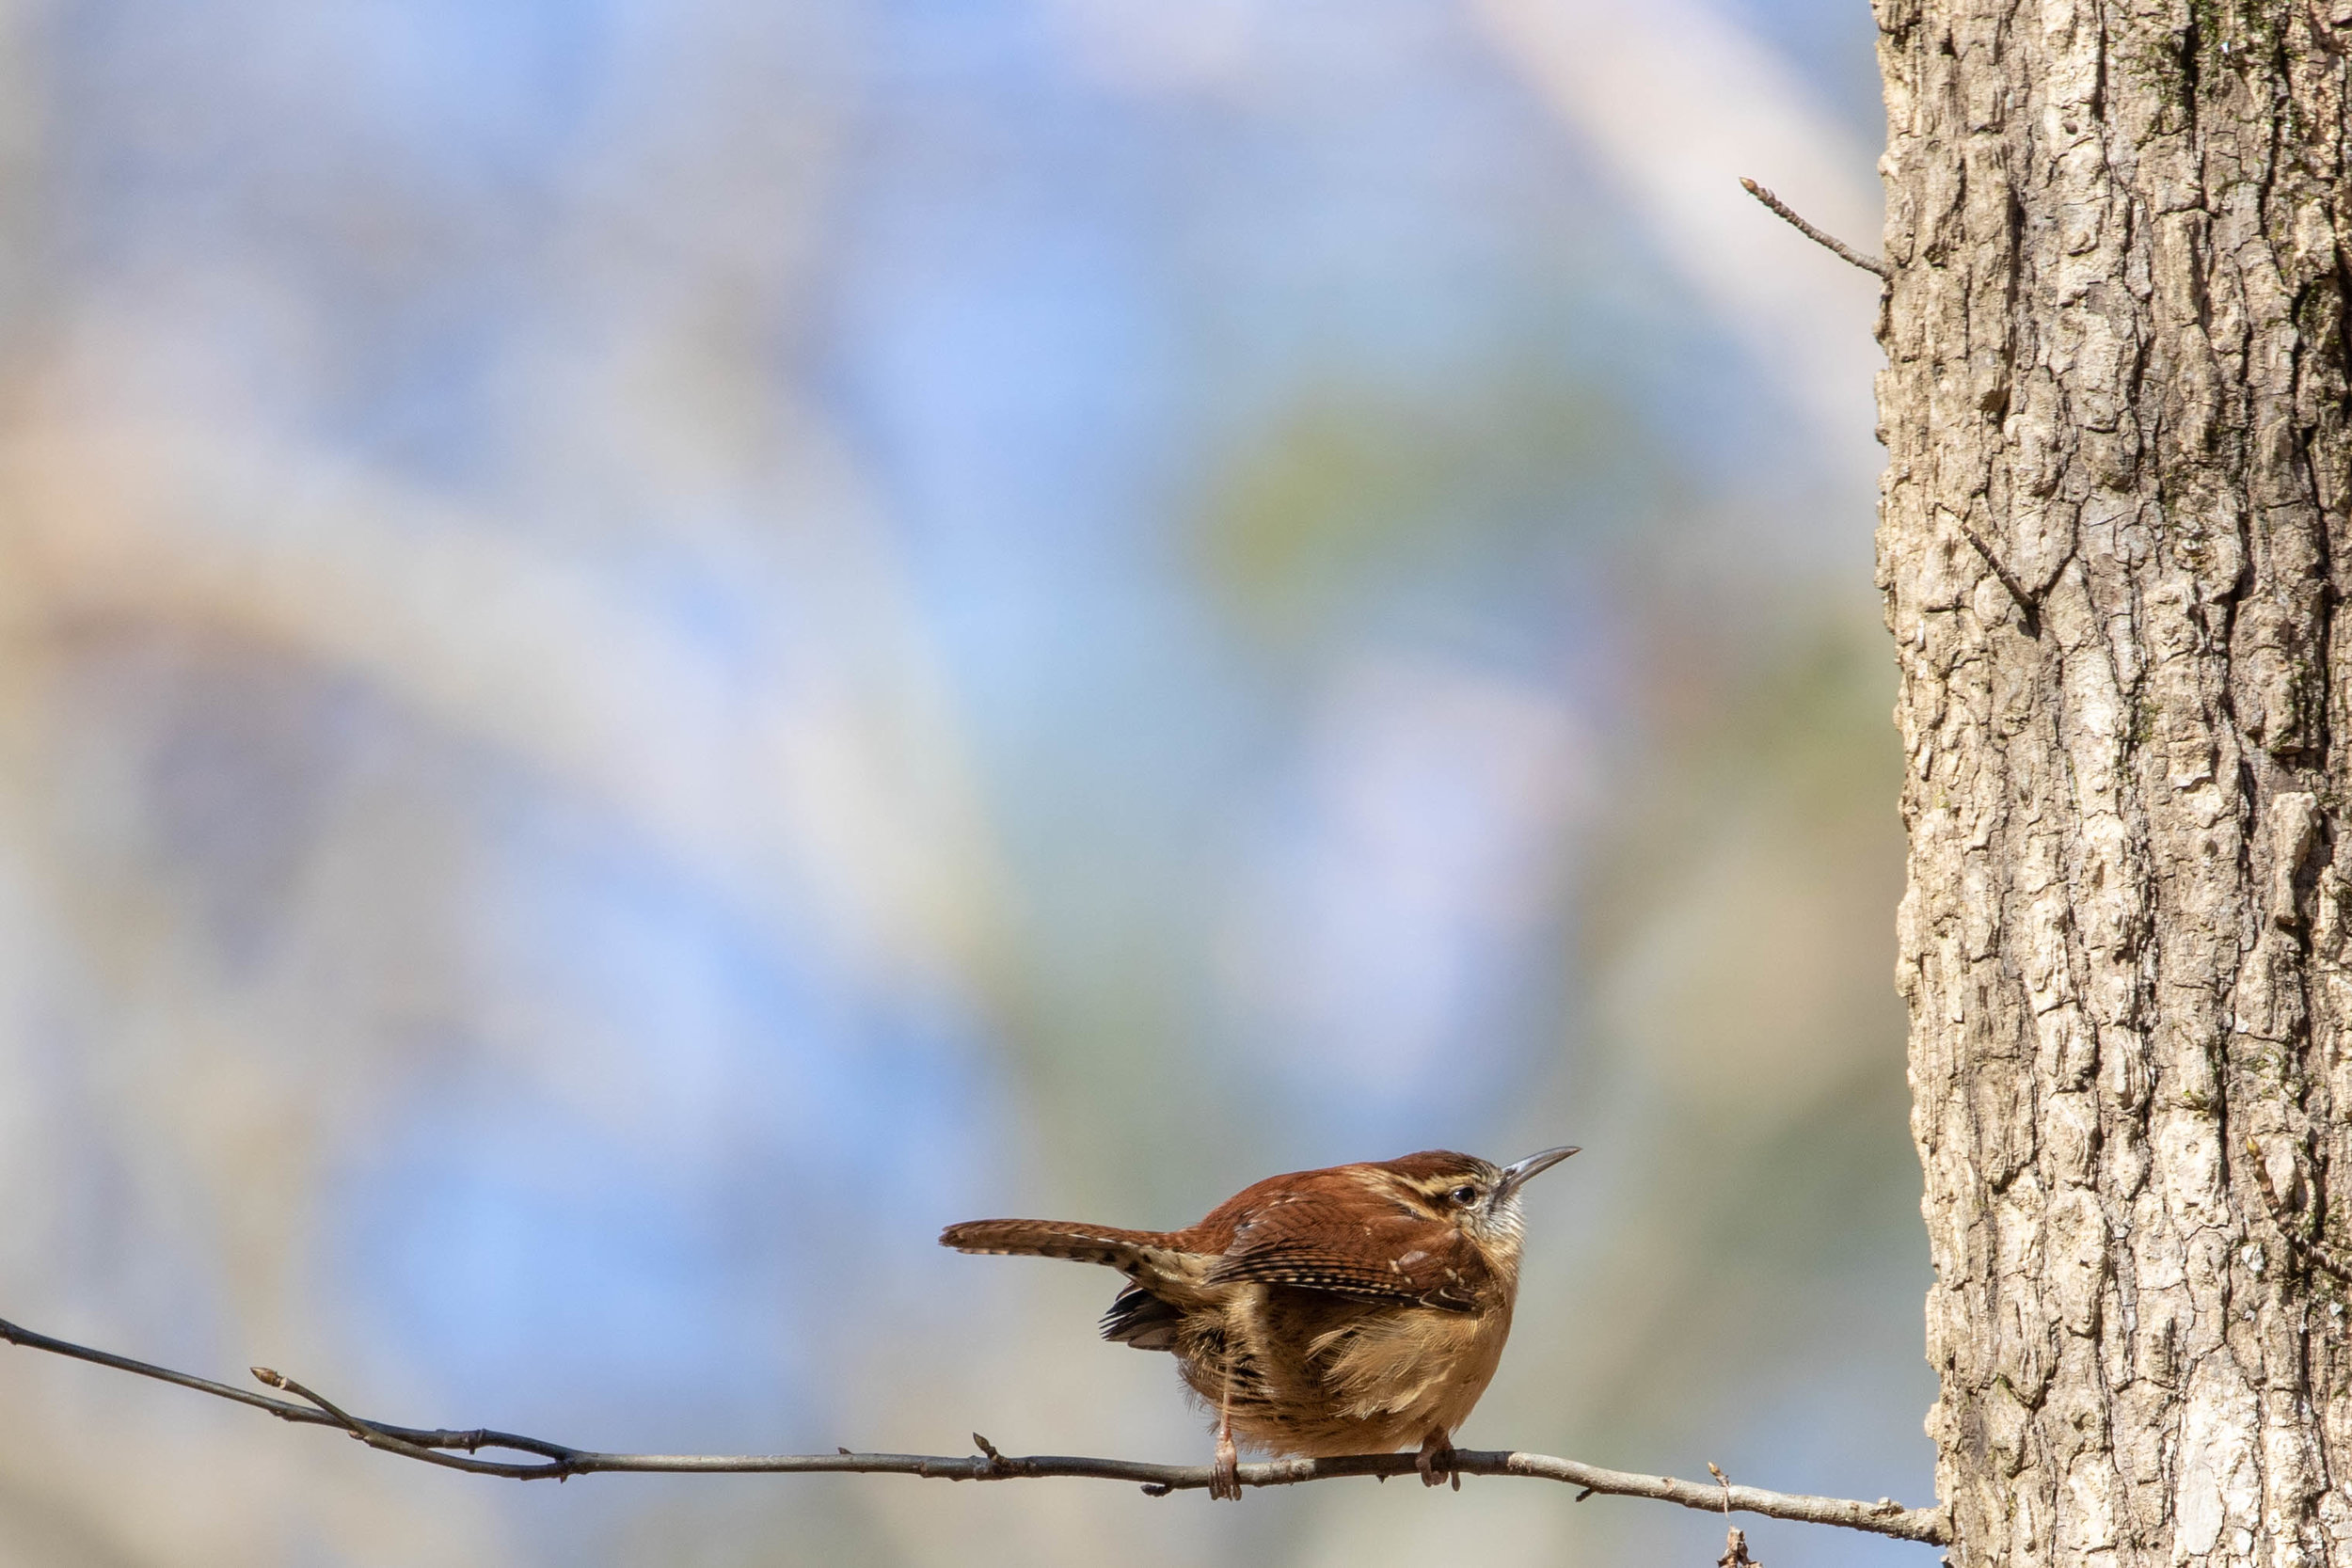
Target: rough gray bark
(2116, 333)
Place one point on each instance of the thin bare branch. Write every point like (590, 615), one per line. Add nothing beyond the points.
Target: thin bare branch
(557, 1461)
(1835, 247)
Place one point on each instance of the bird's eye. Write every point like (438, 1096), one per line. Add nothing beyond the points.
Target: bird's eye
(1464, 1195)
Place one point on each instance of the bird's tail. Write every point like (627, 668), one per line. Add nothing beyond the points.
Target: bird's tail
(1138, 1253)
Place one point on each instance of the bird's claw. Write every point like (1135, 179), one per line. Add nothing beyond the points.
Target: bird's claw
(1224, 1475)
(1435, 1463)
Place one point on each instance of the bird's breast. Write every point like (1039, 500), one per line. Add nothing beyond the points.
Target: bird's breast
(1422, 1363)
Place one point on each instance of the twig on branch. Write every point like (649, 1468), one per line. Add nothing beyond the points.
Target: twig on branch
(1835, 247)
(1735, 1538)
(558, 1461)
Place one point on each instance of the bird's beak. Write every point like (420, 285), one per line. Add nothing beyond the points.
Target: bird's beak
(1535, 1164)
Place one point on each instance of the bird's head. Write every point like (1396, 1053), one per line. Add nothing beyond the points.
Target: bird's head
(1476, 1197)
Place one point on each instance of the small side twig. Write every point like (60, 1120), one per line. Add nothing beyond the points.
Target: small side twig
(1830, 242)
(2307, 1245)
(457, 1449)
(2029, 600)
(390, 1440)
(1735, 1538)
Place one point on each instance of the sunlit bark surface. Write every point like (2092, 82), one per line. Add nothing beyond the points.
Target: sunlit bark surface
(2116, 335)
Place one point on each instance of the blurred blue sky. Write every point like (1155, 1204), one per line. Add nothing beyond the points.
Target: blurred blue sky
(658, 647)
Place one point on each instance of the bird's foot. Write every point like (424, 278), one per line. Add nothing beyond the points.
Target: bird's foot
(1436, 1462)
(1224, 1475)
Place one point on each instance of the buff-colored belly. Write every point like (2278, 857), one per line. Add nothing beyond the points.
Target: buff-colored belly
(1311, 1374)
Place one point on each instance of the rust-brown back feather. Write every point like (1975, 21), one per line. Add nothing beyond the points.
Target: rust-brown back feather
(1343, 1231)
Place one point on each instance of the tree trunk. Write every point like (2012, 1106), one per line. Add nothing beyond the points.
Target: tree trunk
(2116, 328)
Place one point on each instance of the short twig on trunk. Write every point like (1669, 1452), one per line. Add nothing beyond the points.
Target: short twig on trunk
(1835, 247)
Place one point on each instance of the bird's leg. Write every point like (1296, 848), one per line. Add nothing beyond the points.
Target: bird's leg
(1224, 1475)
(1436, 1460)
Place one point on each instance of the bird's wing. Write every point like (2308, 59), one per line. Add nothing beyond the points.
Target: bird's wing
(1319, 1241)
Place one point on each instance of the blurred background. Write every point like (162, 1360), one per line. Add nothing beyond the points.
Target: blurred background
(647, 650)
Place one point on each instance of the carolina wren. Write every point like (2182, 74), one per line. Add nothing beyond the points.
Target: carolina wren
(1340, 1312)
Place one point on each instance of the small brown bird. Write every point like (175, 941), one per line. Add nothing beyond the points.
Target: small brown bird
(1340, 1312)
